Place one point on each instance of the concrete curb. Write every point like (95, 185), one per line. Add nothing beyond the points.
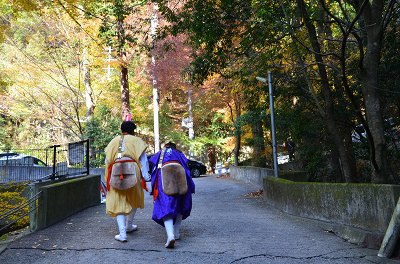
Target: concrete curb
(13, 236)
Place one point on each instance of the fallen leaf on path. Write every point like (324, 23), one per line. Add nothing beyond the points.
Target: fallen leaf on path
(256, 194)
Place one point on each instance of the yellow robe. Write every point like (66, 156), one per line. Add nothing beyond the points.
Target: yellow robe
(122, 201)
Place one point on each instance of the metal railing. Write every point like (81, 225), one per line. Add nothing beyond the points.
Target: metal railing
(27, 165)
(22, 210)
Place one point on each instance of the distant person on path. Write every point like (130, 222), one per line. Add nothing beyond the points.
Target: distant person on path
(291, 147)
(211, 158)
(123, 204)
(172, 188)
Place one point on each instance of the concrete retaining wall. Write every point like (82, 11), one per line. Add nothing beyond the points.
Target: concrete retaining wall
(251, 175)
(255, 175)
(59, 200)
(367, 207)
(359, 213)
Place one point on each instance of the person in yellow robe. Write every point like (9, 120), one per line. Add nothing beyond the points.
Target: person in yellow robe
(122, 204)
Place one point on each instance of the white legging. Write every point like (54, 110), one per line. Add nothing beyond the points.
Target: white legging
(171, 229)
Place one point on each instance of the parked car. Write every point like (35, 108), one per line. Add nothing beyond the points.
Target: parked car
(17, 159)
(196, 168)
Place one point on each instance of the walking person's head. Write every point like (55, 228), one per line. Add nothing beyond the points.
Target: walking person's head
(128, 127)
(170, 145)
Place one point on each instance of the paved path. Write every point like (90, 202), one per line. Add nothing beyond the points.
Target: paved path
(226, 226)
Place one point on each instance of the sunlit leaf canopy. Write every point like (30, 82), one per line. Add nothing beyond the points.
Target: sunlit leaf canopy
(330, 74)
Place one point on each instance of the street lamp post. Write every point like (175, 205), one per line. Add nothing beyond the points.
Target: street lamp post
(273, 131)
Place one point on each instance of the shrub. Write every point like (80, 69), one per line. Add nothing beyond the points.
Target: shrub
(9, 200)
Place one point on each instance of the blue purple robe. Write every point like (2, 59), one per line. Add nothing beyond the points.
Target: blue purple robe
(166, 205)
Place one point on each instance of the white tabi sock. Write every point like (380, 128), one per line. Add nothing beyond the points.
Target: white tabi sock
(177, 227)
(121, 220)
(169, 229)
(130, 227)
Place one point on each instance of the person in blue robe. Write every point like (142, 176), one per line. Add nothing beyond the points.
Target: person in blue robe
(170, 210)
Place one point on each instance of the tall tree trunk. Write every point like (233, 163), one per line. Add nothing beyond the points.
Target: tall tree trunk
(124, 90)
(258, 145)
(88, 95)
(236, 151)
(88, 87)
(123, 67)
(343, 116)
(372, 17)
(347, 167)
(238, 131)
